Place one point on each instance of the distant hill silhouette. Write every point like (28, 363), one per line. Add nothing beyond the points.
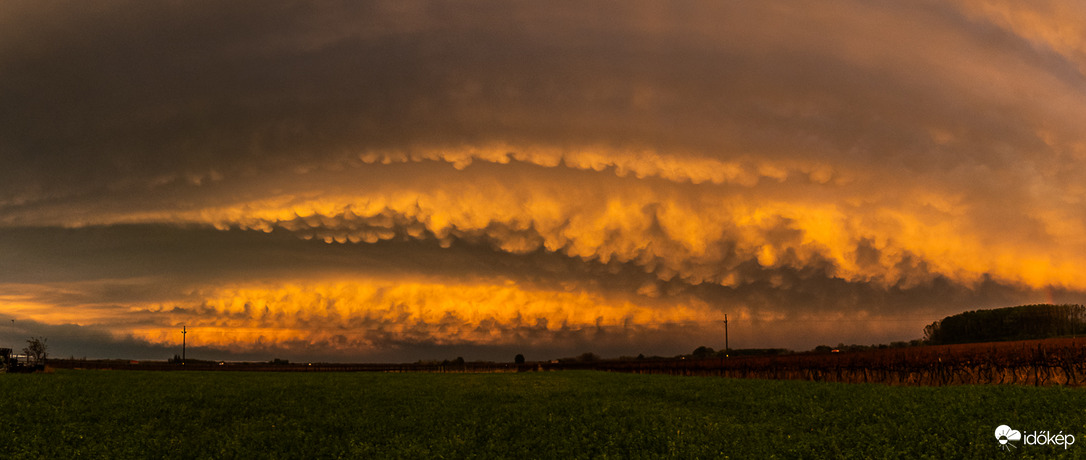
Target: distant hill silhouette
(1012, 323)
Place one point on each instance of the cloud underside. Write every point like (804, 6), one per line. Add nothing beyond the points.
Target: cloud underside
(394, 177)
(247, 290)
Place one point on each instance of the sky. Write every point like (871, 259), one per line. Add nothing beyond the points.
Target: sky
(396, 181)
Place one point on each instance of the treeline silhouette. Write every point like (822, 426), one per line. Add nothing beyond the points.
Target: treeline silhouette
(1023, 322)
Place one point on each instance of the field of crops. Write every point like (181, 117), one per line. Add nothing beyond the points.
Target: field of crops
(568, 414)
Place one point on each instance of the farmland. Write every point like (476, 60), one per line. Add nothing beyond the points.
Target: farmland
(567, 414)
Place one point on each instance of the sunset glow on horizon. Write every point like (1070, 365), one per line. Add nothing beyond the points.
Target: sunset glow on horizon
(401, 181)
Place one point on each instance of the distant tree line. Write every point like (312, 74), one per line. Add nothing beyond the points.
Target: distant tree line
(842, 348)
(1012, 323)
(707, 352)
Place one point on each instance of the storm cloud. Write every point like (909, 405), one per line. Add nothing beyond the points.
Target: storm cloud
(395, 181)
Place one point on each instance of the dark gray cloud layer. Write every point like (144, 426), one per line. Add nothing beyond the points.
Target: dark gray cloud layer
(103, 94)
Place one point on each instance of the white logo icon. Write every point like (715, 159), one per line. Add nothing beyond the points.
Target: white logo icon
(1005, 434)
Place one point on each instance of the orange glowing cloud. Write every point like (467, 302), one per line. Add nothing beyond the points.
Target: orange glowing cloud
(678, 229)
(364, 315)
(682, 229)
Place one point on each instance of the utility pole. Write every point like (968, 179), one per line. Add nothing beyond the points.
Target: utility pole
(183, 332)
(726, 335)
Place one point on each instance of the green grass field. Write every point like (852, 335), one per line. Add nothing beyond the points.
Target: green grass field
(570, 414)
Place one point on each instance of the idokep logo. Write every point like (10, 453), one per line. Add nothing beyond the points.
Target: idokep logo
(1006, 437)
(1004, 434)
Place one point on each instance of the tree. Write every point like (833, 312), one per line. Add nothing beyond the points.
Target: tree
(519, 359)
(588, 357)
(703, 352)
(1012, 323)
(931, 332)
(36, 350)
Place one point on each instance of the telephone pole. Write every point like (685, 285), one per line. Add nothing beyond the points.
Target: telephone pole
(726, 335)
(183, 332)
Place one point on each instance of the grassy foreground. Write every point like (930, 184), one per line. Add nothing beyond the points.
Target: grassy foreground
(570, 414)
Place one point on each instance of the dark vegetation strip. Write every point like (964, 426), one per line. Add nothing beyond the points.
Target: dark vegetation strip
(1030, 362)
(1033, 362)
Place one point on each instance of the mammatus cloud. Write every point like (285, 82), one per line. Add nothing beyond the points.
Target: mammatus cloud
(388, 176)
(697, 232)
(373, 314)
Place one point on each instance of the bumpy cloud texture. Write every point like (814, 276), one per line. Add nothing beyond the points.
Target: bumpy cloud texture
(403, 181)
